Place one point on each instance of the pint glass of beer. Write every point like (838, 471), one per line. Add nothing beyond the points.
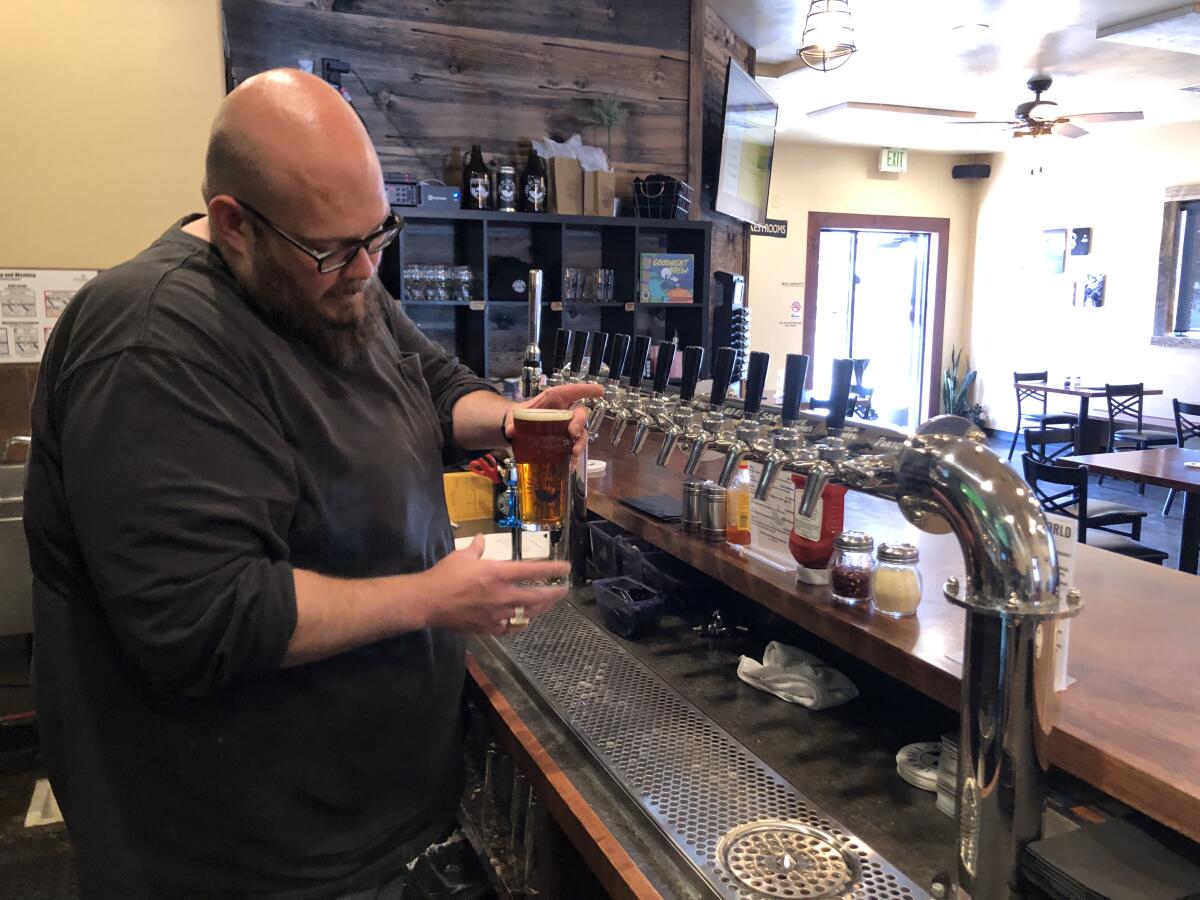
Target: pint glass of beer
(542, 450)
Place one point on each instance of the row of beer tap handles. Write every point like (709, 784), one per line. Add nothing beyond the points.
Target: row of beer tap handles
(819, 446)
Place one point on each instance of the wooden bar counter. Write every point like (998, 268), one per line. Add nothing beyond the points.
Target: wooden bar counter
(1129, 725)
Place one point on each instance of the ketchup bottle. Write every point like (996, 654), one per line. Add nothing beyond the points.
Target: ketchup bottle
(811, 540)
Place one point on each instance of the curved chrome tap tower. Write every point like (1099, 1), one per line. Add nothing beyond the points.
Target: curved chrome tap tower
(945, 480)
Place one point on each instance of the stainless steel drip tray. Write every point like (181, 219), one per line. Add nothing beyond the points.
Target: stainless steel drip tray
(745, 830)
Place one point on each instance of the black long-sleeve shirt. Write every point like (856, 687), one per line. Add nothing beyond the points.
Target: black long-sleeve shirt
(186, 456)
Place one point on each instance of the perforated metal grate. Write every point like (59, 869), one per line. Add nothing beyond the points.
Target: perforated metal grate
(697, 782)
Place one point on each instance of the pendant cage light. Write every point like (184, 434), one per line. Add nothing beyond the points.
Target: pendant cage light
(828, 35)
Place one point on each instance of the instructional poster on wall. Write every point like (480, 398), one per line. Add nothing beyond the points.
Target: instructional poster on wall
(31, 300)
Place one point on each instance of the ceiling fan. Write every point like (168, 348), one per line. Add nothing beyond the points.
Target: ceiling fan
(1026, 123)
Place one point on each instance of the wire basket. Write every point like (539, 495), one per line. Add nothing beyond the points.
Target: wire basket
(661, 197)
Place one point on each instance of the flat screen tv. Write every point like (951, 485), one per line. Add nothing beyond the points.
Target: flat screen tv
(747, 147)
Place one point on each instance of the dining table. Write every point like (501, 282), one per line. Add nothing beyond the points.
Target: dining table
(1086, 431)
(1172, 467)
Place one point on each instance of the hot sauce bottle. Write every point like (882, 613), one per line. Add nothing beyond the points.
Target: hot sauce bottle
(737, 525)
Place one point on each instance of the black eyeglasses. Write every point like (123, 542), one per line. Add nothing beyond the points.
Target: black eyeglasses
(331, 260)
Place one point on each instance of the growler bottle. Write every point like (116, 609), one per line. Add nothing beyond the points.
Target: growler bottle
(477, 181)
(533, 183)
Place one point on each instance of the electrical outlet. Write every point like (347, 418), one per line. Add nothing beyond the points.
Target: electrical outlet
(332, 70)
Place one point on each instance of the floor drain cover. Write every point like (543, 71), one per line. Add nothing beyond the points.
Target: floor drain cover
(773, 858)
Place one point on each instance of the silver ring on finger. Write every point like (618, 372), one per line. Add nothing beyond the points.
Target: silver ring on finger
(518, 616)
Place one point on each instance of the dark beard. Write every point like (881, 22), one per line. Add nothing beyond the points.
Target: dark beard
(339, 344)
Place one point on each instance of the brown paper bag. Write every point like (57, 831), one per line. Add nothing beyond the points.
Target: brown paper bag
(566, 185)
(599, 189)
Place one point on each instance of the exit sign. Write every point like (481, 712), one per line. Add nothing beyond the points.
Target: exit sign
(893, 159)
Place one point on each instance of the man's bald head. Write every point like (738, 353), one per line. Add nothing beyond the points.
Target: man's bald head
(285, 140)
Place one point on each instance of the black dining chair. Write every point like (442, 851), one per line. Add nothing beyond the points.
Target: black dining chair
(1029, 395)
(1072, 501)
(1046, 445)
(1126, 400)
(1187, 428)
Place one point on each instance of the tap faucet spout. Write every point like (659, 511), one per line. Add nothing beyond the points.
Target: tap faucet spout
(681, 420)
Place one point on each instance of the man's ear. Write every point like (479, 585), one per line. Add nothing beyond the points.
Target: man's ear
(229, 224)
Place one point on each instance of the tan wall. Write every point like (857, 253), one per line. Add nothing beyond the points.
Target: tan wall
(1023, 319)
(828, 178)
(107, 112)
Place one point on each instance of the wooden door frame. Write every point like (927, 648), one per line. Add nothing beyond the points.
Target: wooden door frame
(935, 315)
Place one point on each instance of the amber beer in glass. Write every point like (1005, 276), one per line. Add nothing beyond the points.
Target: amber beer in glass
(542, 450)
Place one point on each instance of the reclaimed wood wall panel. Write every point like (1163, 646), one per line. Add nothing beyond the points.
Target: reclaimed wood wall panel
(438, 77)
(663, 25)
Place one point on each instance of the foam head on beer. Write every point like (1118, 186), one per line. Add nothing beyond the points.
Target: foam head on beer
(542, 445)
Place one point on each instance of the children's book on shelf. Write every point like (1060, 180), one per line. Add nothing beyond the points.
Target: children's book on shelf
(667, 278)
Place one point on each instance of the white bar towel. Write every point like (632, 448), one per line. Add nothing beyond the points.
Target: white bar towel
(797, 677)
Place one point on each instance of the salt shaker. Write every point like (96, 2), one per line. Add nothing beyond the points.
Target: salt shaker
(896, 583)
(850, 567)
(692, 505)
(713, 512)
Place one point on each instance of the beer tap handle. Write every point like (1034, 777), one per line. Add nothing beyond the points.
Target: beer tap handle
(578, 351)
(641, 350)
(616, 362)
(722, 375)
(756, 380)
(839, 394)
(662, 366)
(599, 345)
(562, 341)
(794, 373)
(693, 359)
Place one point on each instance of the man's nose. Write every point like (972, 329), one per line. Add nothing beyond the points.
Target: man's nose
(362, 266)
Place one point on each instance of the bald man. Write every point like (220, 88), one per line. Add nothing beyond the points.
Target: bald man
(248, 610)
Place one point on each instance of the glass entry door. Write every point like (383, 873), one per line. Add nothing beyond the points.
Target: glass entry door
(872, 291)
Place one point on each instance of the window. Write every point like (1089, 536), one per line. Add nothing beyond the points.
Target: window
(1177, 306)
(1187, 281)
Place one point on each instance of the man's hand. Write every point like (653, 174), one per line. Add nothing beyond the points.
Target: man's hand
(471, 594)
(561, 397)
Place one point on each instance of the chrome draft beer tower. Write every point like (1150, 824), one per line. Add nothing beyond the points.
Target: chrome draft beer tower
(572, 538)
(945, 480)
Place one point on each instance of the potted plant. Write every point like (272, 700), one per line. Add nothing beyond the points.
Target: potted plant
(956, 390)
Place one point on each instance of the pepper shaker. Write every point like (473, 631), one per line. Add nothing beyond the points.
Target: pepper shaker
(850, 567)
(714, 512)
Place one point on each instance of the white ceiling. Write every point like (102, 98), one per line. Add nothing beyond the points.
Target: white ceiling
(909, 54)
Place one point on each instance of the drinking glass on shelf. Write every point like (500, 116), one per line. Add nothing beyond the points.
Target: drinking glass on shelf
(589, 285)
(610, 277)
(462, 284)
(602, 285)
(424, 283)
(412, 282)
(440, 284)
(571, 284)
